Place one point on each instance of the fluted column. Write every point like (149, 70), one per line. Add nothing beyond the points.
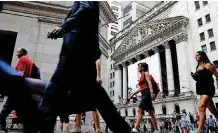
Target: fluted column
(156, 50)
(169, 65)
(125, 82)
(118, 83)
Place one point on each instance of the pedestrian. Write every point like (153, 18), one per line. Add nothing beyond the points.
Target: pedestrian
(205, 87)
(211, 124)
(26, 68)
(146, 89)
(184, 121)
(76, 69)
(95, 114)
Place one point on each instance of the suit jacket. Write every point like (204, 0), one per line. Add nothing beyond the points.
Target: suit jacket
(81, 28)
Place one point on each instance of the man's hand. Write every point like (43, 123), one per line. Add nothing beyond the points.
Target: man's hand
(56, 33)
(99, 80)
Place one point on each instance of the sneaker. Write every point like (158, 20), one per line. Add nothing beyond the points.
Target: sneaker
(134, 130)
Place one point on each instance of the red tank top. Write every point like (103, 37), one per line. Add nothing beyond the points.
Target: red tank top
(142, 83)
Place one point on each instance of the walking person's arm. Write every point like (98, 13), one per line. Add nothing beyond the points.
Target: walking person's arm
(74, 19)
(148, 79)
(98, 68)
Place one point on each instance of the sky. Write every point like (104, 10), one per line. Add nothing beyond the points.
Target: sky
(154, 70)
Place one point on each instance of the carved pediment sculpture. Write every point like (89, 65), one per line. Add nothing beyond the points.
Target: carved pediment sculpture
(144, 33)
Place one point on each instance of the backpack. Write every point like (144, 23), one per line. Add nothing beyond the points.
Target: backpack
(35, 72)
(155, 86)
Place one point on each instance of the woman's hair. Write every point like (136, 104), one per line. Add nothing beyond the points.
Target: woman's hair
(204, 57)
(144, 66)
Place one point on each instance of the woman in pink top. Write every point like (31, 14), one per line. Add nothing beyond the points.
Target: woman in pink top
(146, 89)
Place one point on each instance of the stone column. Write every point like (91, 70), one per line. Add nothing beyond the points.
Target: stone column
(125, 82)
(118, 83)
(169, 66)
(156, 50)
(184, 65)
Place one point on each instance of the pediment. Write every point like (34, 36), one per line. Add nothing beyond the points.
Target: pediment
(149, 31)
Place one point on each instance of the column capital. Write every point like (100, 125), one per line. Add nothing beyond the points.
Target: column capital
(180, 38)
(166, 45)
(124, 65)
(117, 67)
(155, 49)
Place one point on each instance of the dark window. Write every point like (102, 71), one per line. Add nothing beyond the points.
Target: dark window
(205, 3)
(210, 33)
(202, 36)
(110, 75)
(164, 109)
(212, 46)
(204, 48)
(114, 8)
(200, 23)
(115, 22)
(114, 28)
(110, 84)
(111, 66)
(197, 5)
(177, 109)
(113, 33)
(207, 17)
(113, 74)
(113, 92)
(133, 112)
(127, 21)
(126, 112)
(113, 83)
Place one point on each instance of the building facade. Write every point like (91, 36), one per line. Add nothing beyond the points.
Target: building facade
(172, 32)
(134, 9)
(26, 24)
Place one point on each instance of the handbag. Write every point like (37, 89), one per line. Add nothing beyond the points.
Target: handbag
(155, 86)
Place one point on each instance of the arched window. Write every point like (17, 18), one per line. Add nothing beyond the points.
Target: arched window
(177, 108)
(126, 112)
(164, 109)
(133, 112)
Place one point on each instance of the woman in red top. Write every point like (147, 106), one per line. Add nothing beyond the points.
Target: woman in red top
(146, 89)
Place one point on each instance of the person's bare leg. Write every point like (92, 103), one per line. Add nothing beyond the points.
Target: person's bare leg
(211, 107)
(96, 120)
(67, 127)
(153, 119)
(202, 111)
(61, 127)
(77, 127)
(139, 119)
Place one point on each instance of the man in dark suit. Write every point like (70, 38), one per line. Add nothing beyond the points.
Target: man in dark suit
(76, 74)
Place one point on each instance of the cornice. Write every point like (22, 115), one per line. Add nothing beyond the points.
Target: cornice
(103, 51)
(107, 11)
(40, 6)
(36, 9)
(104, 42)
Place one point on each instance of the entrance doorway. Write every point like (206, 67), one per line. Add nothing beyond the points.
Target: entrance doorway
(7, 43)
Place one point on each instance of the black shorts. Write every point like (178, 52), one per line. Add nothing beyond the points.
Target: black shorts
(64, 119)
(211, 129)
(146, 101)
